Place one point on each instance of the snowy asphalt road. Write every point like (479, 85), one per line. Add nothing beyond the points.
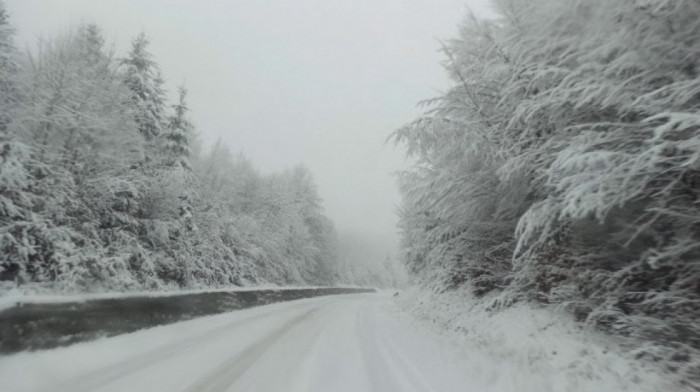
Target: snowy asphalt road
(334, 343)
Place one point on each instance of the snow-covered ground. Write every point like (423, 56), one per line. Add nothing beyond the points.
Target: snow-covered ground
(526, 348)
(359, 342)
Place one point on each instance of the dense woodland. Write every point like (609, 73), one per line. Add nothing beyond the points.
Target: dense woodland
(563, 167)
(104, 185)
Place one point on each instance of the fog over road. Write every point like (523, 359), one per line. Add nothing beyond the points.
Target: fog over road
(336, 343)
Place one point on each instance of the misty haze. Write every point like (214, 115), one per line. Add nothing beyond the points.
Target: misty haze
(350, 195)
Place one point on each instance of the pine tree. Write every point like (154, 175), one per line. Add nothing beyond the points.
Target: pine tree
(143, 78)
(8, 67)
(178, 134)
(92, 43)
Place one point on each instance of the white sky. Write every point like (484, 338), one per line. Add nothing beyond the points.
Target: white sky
(321, 82)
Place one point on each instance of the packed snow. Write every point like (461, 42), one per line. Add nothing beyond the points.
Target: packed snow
(340, 343)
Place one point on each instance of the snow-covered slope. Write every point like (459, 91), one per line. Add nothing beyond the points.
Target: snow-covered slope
(524, 348)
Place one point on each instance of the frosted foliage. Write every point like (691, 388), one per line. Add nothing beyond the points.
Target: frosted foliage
(8, 67)
(142, 77)
(100, 189)
(178, 134)
(563, 167)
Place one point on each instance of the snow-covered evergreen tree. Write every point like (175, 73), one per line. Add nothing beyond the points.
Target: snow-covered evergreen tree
(143, 78)
(8, 67)
(178, 134)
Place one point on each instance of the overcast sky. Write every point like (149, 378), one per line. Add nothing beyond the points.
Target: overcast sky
(318, 82)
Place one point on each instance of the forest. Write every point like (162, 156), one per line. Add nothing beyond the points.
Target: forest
(105, 185)
(563, 168)
(549, 219)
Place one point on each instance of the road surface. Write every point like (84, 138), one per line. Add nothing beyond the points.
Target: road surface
(335, 343)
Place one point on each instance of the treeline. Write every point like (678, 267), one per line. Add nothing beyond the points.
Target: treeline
(103, 185)
(563, 166)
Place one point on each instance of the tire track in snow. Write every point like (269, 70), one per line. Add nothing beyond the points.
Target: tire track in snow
(387, 369)
(226, 374)
(406, 367)
(305, 354)
(103, 376)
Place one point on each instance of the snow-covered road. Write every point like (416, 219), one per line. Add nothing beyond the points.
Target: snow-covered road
(335, 343)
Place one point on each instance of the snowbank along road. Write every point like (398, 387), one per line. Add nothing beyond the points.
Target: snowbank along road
(338, 343)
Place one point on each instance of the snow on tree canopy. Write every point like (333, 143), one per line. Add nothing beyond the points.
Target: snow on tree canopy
(142, 76)
(562, 166)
